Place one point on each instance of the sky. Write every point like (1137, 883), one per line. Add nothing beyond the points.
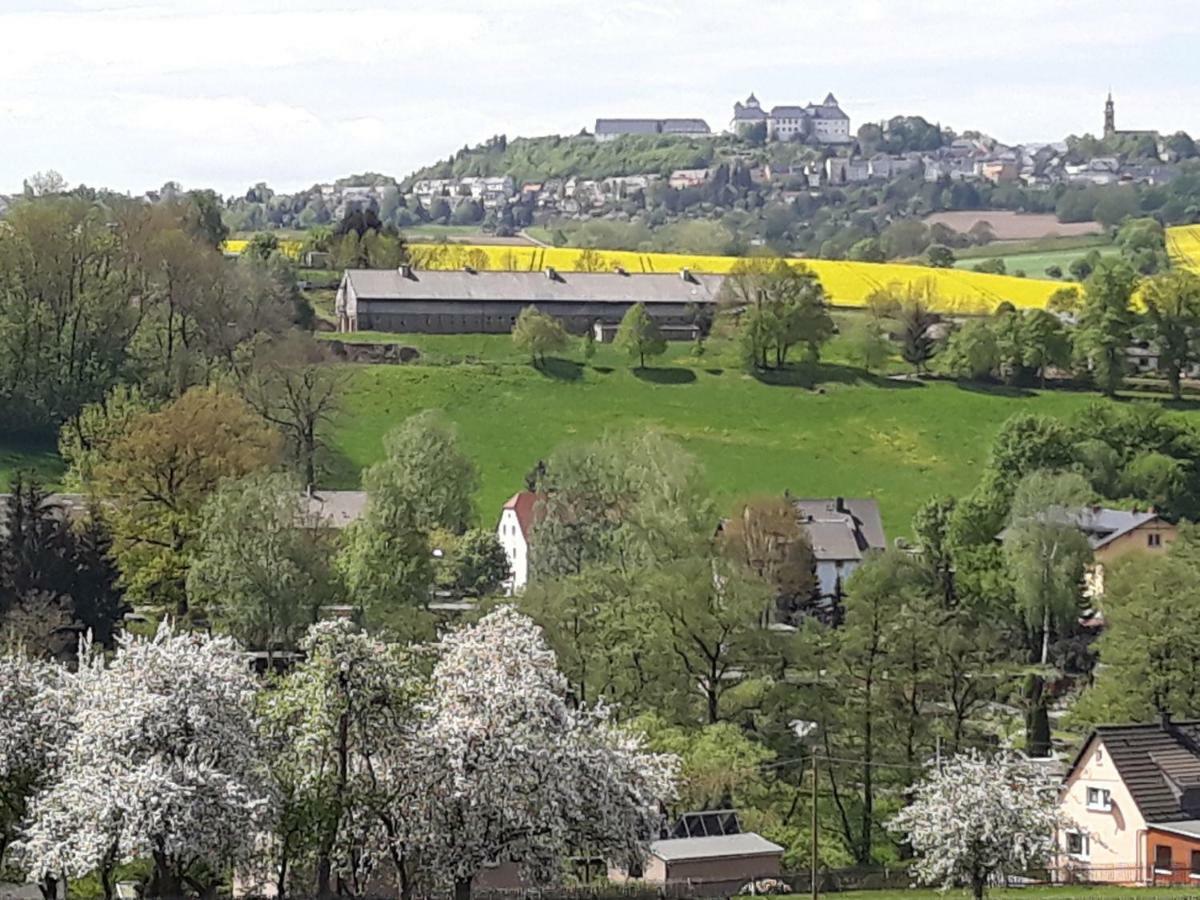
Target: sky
(129, 94)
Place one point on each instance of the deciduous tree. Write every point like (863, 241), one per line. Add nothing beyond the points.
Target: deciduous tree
(638, 335)
(979, 816)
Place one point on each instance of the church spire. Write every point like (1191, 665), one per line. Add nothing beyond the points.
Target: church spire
(1110, 118)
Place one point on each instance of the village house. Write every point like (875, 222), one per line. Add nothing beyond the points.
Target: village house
(687, 178)
(1112, 534)
(1132, 798)
(474, 302)
(843, 532)
(515, 532)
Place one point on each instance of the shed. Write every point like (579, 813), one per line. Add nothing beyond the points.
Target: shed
(731, 859)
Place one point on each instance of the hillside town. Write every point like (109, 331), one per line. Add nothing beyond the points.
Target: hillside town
(837, 162)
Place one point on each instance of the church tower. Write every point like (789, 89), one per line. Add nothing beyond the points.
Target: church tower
(1110, 117)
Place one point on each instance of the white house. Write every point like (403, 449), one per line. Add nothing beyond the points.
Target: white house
(842, 532)
(514, 531)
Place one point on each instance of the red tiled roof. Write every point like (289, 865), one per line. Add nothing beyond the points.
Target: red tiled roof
(523, 503)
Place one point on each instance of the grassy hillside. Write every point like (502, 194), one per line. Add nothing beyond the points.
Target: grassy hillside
(533, 159)
(820, 430)
(824, 431)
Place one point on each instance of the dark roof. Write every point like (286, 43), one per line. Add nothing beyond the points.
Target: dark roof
(524, 504)
(684, 126)
(794, 112)
(1159, 764)
(841, 528)
(532, 287)
(1099, 524)
(651, 126)
(628, 126)
(749, 113)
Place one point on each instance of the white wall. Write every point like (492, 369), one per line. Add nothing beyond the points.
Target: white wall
(828, 573)
(513, 541)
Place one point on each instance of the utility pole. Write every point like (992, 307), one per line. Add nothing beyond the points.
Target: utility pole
(815, 891)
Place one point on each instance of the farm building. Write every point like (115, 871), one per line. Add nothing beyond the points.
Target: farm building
(469, 301)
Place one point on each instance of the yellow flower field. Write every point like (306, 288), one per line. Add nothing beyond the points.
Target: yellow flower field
(847, 283)
(290, 249)
(1183, 244)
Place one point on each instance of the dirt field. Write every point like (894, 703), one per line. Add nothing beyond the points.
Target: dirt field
(1012, 226)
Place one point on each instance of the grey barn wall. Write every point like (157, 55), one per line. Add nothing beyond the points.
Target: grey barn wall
(499, 316)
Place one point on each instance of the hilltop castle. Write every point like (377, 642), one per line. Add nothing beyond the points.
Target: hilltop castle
(824, 122)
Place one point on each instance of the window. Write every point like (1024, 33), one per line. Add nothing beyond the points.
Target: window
(1162, 858)
(1099, 798)
(1154, 539)
(1195, 864)
(1077, 844)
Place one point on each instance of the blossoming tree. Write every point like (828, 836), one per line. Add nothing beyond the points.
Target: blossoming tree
(977, 817)
(34, 713)
(338, 735)
(514, 774)
(164, 764)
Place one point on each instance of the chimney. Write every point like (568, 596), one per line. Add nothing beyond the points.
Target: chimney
(1164, 719)
(406, 271)
(839, 504)
(620, 270)
(470, 270)
(552, 273)
(686, 274)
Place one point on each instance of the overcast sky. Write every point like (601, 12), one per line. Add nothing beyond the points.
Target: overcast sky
(224, 93)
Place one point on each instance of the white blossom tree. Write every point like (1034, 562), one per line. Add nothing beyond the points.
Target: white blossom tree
(164, 764)
(513, 773)
(338, 734)
(977, 817)
(34, 721)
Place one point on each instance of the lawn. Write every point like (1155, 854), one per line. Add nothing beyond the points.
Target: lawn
(1034, 264)
(1065, 892)
(21, 456)
(821, 431)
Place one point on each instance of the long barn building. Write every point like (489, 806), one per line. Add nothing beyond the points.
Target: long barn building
(469, 301)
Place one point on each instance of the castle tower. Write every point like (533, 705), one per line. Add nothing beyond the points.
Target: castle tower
(1110, 117)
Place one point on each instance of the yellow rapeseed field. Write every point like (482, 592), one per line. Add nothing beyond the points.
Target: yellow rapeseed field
(847, 283)
(290, 249)
(1183, 244)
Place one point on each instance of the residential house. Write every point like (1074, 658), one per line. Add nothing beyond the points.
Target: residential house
(687, 178)
(1102, 170)
(1112, 534)
(1000, 171)
(843, 532)
(515, 532)
(1143, 358)
(843, 170)
(1132, 798)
